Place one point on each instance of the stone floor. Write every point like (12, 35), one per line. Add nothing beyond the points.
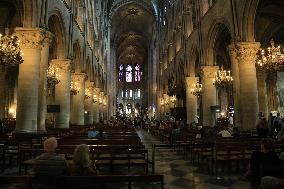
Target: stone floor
(179, 173)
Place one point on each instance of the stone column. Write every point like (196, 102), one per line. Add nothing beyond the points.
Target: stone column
(209, 97)
(28, 79)
(89, 105)
(78, 111)
(2, 93)
(248, 83)
(96, 105)
(62, 92)
(101, 106)
(43, 81)
(262, 92)
(236, 83)
(191, 100)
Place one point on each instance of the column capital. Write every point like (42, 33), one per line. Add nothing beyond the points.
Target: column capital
(209, 71)
(80, 77)
(30, 38)
(63, 64)
(247, 51)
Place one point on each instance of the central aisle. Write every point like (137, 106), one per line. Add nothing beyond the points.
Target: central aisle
(179, 174)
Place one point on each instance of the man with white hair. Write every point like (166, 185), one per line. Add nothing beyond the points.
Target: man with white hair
(50, 163)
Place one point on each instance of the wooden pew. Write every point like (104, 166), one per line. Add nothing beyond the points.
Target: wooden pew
(82, 182)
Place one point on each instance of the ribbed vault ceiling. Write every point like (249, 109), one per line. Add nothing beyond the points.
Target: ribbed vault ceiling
(132, 27)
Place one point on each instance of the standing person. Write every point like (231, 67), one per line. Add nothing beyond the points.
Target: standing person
(270, 124)
(261, 161)
(277, 122)
(262, 126)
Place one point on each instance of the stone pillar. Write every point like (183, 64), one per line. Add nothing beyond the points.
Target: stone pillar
(78, 111)
(42, 91)
(262, 92)
(191, 100)
(248, 83)
(96, 105)
(62, 92)
(101, 106)
(236, 83)
(89, 105)
(28, 79)
(2, 93)
(209, 97)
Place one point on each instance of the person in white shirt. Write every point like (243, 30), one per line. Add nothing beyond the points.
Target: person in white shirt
(224, 133)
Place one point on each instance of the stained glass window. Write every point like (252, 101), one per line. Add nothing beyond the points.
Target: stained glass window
(130, 93)
(137, 73)
(138, 93)
(120, 74)
(128, 73)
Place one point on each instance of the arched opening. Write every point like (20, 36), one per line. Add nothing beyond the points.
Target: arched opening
(219, 41)
(130, 40)
(268, 25)
(10, 17)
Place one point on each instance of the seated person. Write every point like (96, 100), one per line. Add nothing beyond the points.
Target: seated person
(269, 182)
(224, 133)
(101, 135)
(200, 133)
(49, 163)
(262, 163)
(280, 135)
(81, 164)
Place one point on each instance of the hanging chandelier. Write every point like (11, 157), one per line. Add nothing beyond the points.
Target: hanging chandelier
(104, 100)
(172, 88)
(196, 89)
(162, 102)
(74, 89)
(10, 52)
(222, 78)
(53, 76)
(271, 58)
(95, 98)
(88, 93)
(173, 99)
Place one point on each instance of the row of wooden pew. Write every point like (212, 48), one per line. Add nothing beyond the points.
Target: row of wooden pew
(121, 148)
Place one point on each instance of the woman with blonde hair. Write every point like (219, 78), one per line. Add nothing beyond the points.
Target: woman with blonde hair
(82, 165)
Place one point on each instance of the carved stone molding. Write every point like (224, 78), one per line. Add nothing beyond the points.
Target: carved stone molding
(63, 64)
(209, 71)
(232, 50)
(246, 51)
(31, 38)
(48, 38)
(79, 77)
